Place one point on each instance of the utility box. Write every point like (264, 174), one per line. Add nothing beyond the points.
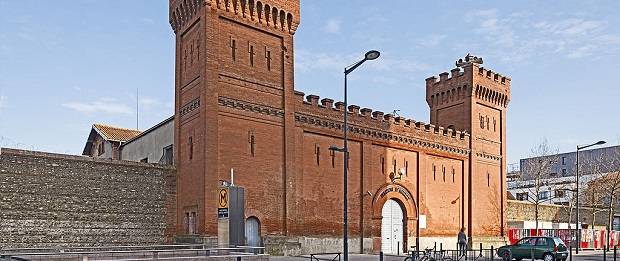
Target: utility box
(230, 216)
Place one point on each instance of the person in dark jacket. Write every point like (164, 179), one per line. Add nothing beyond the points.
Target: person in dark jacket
(462, 240)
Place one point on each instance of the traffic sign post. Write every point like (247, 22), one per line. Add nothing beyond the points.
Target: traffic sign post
(230, 216)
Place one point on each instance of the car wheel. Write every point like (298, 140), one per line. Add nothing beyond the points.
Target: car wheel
(548, 257)
(505, 256)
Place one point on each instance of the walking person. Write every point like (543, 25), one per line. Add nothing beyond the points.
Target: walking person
(462, 240)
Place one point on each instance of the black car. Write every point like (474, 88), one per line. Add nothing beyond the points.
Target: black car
(545, 248)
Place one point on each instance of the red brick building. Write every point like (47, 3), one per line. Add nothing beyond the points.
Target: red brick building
(236, 107)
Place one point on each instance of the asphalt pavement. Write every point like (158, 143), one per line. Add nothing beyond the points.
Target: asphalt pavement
(584, 255)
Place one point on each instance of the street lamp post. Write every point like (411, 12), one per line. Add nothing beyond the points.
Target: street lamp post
(578, 231)
(370, 55)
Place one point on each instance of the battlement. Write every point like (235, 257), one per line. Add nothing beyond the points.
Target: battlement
(365, 117)
(451, 87)
(277, 14)
(496, 77)
(469, 69)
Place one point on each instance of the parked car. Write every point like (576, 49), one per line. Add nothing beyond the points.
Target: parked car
(545, 248)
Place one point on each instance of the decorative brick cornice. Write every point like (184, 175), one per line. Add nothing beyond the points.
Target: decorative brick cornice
(183, 12)
(190, 106)
(251, 107)
(379, 134)
(488, 156)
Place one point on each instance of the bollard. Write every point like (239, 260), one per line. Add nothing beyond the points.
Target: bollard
(570, 251)
(398, 248)
(615, 248)
(239, 258)
(381, 256)
(604, 253)
(440, 251)
(492, 254)
(510, 254)
(532, 253)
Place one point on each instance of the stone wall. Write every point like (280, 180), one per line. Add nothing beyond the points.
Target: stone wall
(53, 200)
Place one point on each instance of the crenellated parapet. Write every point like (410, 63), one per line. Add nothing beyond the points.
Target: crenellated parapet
(492, 87)
(281, 15)
(456, 86)
(325, 114)
(449, 89)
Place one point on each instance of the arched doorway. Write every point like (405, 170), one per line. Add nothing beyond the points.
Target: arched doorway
(392, 227)
(252, 231)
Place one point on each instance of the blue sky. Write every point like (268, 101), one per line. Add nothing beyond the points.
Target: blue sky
(67, 64)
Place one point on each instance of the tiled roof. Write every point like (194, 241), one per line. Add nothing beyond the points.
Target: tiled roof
(116, 133)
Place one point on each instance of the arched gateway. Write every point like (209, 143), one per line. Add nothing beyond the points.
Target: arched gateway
(398, 213)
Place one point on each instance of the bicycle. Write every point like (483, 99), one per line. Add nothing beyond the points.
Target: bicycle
(429, 255)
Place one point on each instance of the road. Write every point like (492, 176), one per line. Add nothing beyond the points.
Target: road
(587, 255)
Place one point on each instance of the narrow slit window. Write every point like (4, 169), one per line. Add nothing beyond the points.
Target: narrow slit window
(488, 179)
(382, 164)
(268, 57)
(251, 51)
(317, 152)
(406, 168)
(443, 171)
(453, 175)
(394, 165)
(251, 141)
(191, 147)
(233, 48)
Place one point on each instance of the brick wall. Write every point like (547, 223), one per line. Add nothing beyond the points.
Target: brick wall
(59, 200)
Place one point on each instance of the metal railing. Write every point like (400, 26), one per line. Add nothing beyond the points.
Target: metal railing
(318, 257)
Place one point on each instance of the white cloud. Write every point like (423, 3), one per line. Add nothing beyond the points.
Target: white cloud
(3, 45)
(147, 102)
(496, 30)
(332, 26)
(3, 101)
(580, 52)
(103, 105)
(308, 61)
(148, 20)
(31, 29)
(571, 27)
(429, 41)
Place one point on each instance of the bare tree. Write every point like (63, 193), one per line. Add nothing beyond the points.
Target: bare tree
(604, 188)
(568, 201)
(536, 174)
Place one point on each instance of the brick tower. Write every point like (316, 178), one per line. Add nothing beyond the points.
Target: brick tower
(234, 58)
(474, 100)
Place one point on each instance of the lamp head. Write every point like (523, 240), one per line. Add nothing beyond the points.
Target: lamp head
(601, 142)
(372, 54)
